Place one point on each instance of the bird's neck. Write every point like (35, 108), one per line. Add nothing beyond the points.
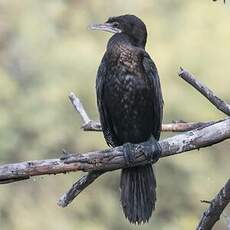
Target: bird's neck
(122, 40)
(122, 52)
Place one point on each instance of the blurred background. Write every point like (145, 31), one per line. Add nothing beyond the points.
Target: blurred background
(46, 51)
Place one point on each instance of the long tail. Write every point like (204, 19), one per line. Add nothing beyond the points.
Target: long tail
(138, 193)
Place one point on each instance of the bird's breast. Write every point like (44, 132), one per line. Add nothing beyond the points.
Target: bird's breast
(129, 102)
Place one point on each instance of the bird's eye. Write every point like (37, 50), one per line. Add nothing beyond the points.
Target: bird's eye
(115, 24)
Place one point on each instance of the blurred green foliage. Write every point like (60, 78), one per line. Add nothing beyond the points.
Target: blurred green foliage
(46, 51)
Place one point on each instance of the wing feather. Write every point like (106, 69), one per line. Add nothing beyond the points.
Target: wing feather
(106, 122)
(152, 73)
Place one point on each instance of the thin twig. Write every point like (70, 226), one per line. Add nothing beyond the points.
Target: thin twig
(79, 107)
(205, 91)
(205, 201)
(216, 207)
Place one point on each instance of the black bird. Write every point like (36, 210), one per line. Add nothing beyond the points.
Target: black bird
(130, 105)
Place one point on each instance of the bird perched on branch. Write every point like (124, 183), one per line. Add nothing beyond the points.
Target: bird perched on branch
(130, 105)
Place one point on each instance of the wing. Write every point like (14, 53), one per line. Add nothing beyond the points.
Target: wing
(151, 71)
(105, 118)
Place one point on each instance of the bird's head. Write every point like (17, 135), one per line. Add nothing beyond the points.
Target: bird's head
(130, 25)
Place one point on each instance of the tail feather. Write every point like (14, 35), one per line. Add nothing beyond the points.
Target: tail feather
(138, 193)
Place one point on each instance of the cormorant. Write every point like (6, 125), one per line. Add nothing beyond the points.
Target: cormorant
(130, 105)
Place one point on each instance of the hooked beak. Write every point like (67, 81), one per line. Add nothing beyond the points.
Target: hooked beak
(105, 27)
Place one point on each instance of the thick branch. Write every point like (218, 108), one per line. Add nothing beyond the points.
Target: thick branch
(112, 159)
(205, 91)
(216, 207)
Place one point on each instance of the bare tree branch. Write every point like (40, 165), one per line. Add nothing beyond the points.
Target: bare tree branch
(89, 125)
(205, 91)
(79, 107)
(112, 159)
(78, 187)
(184, 126)
(216, 207)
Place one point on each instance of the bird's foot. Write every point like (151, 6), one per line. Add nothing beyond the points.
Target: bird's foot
(129, 153)
(152, 150)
